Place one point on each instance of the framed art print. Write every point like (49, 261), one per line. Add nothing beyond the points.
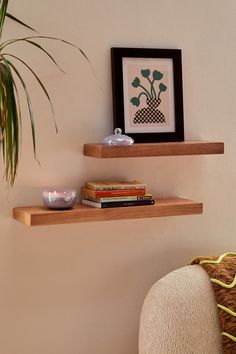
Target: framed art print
(148, 93)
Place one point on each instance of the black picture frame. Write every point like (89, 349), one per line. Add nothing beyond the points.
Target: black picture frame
(148, 124)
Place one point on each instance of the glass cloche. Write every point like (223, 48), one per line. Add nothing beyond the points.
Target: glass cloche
(117, 138)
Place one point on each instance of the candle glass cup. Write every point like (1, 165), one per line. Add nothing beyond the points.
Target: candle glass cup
(59, 198)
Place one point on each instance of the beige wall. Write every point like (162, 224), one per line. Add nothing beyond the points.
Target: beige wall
(78, 289)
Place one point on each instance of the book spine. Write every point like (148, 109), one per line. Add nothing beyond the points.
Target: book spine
(117, 204)
(111, 193)
(128, 203)
(91, 203)
(119, 199)
(115, 187)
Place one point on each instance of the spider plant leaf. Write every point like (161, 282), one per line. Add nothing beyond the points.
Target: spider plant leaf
(18, 100)
(3, 10)
(15, 115)
(20, 22)
(11, 127)
(2, 88)
(3, 106)
(29, 105)
(9, 139)
(10, 41)
(40, 83)
(46, 52)
(34, 44)
(66, 42)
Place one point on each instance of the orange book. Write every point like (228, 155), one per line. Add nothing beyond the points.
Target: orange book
(111, 193)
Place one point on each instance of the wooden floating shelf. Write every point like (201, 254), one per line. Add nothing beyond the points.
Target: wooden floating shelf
(39, 215)
(154, 149)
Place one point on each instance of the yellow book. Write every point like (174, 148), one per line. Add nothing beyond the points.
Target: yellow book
(112, 185)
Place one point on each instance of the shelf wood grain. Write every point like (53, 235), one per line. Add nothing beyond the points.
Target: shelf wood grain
(39, 215)
(154, 149)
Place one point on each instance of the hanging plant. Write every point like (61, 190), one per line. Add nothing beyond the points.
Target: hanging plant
(10, 105)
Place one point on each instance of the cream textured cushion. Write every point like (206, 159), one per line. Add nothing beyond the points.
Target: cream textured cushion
(179, 315)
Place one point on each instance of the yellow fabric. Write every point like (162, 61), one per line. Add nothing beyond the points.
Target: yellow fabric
(222, 273)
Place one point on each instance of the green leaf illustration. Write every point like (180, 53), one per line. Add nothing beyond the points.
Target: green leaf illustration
(136, 82)
(135, 101)
(157, 75)
(162, 87)
(145, 73)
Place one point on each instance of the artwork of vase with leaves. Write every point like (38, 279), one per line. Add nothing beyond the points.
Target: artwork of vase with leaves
(148, 94)
(149, 114)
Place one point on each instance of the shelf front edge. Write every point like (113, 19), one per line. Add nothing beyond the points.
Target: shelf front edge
(154, 149)
(38, 215)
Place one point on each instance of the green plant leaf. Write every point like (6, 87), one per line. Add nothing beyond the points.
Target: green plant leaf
(17, 99)
(2, 109)
(6, 43)
(12, 128)
(46, 52)
(157, 75)
(10, 105)
(162, 87)
(39, 47)
(19, 21)
(135, 101)
(40, 83)
(3, 10)
(29, 105)
(145, 73)
(10, 124)
(136, 82)
(12, 41)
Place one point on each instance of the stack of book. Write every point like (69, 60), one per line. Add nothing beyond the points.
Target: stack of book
(108, 194)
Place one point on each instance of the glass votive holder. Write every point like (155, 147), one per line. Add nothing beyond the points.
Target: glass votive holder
(59, 198)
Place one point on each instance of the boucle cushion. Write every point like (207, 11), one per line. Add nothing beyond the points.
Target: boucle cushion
(179, 315)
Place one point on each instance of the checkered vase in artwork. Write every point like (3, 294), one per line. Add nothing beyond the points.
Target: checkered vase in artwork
(150, 114)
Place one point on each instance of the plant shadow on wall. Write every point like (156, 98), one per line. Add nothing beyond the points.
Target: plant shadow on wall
(10, 105)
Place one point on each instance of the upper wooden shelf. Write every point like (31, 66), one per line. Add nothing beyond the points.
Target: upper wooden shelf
(39, 215)
(155, 149)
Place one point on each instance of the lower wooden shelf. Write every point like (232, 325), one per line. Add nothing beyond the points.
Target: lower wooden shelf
(39, 215)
